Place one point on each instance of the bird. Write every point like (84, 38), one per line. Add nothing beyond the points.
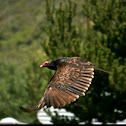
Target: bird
(72, 78)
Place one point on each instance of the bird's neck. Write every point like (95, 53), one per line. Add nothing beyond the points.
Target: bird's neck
(52, 67)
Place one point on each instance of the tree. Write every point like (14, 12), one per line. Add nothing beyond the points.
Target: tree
(101, 41)
(21, 79)
(93, 30)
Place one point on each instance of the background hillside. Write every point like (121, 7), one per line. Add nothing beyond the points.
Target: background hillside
(33, 31)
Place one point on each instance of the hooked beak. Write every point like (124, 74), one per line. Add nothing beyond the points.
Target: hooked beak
(41, 65)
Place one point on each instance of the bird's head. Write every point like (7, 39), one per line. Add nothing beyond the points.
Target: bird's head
(53, 65)
(49, 64)
(46, 64)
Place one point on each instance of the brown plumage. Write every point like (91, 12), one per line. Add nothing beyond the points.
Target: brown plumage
(72, 78)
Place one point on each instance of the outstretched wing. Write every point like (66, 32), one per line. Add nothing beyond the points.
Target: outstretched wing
(71, 79)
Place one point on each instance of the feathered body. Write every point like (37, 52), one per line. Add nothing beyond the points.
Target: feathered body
(72, 79)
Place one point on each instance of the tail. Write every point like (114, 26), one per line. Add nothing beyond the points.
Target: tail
(31, 109)
(102, 70)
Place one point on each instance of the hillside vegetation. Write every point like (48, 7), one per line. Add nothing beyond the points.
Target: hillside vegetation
(33, 31)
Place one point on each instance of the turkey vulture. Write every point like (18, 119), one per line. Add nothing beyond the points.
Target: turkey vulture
(72, 79)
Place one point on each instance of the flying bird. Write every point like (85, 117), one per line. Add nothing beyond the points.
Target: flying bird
(72, 79)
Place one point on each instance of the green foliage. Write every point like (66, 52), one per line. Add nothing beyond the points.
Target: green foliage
(109, 18)
(62, 34)
(21, 78)
(101, 41)
(44, 30)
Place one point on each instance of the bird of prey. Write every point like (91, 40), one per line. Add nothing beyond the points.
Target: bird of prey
(72, 79)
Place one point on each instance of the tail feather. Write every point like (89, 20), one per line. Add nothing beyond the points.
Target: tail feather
(31, 109)
(102, 70)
